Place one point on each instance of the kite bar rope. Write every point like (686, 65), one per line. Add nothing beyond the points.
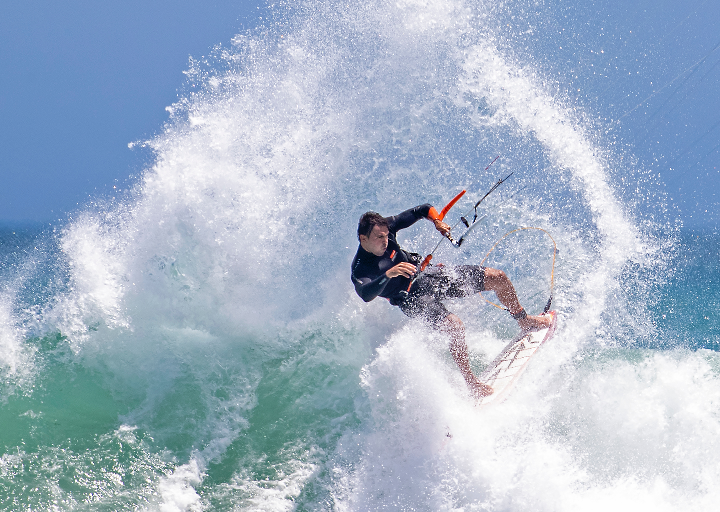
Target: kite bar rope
(552, 271)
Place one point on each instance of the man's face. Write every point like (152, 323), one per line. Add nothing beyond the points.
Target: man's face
(377, 242)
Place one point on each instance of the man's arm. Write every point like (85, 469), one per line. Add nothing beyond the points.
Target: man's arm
(411, 216)
(368, 288)
(408, 217)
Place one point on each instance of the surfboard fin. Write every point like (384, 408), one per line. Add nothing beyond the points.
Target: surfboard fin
(547, 306)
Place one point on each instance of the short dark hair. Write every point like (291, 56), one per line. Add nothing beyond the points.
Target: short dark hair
(368, 221)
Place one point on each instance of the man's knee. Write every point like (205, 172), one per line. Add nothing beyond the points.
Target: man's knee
(495, 278)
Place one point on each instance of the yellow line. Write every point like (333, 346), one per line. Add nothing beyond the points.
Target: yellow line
(552, 272)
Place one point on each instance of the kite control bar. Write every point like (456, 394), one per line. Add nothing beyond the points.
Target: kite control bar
(434, 215)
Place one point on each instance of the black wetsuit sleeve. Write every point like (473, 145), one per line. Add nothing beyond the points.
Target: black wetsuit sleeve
(368, 288)
(408, 217)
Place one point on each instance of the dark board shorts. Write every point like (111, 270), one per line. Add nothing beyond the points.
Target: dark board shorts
(438, 283)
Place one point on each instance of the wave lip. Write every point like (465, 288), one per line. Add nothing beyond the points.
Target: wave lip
(211, 306)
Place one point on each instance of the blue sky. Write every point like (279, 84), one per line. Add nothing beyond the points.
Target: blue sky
(82, 79)
(659, 79)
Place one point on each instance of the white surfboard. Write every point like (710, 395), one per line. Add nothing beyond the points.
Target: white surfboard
(504, 371)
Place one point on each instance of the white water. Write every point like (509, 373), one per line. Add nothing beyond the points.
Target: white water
(221, 283)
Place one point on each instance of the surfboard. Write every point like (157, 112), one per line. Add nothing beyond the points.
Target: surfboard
(504, 371)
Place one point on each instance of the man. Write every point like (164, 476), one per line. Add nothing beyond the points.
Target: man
(382, 269)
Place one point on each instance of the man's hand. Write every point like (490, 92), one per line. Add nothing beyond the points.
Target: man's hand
(401, 269)
(442, 227)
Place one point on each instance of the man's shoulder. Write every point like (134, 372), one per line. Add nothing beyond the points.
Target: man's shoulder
(364, 264)
(361, 256)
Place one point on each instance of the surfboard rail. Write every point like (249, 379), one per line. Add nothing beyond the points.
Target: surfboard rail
(507, 367)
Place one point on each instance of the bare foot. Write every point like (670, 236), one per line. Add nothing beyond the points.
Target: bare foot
(535, 322)
(480, 390)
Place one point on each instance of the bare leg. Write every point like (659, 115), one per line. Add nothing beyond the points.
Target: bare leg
(454, 327)
(497, 281)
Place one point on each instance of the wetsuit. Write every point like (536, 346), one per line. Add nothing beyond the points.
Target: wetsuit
(433, 285)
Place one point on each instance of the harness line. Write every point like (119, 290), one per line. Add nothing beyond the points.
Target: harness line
(552, 270)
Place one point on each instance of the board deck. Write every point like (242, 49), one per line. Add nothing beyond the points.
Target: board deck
(503, 372)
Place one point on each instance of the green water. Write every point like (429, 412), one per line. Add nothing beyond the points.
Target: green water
(67, 442)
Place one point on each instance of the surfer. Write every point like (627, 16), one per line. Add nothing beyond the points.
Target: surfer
(381, 268)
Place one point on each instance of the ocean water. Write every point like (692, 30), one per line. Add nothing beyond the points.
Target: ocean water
(196, 344)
